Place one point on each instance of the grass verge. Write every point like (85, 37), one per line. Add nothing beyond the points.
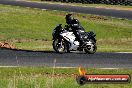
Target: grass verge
(31, 29)
(43, 77)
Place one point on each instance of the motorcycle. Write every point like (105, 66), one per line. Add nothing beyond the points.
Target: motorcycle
(65, 41)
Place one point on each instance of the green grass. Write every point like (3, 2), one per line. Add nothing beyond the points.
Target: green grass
(31, 29)
(42, 77)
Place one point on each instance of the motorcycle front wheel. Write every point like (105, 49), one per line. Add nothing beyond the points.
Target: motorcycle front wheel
(59, 45)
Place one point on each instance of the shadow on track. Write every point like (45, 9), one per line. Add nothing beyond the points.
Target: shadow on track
(36, 51)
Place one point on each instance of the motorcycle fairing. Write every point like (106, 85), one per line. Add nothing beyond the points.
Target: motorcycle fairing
(70, 37)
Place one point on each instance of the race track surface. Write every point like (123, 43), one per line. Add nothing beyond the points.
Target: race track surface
(78, 9)
(97, 60)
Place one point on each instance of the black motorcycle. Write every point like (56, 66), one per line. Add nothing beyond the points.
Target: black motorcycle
(64, 40)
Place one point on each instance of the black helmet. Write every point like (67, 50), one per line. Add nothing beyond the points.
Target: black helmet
(75, 21)
(69, 18)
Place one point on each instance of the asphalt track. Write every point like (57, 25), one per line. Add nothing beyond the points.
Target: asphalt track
(97, 60)
(87, 10)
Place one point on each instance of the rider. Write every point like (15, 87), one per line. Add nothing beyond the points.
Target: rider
(76, 28)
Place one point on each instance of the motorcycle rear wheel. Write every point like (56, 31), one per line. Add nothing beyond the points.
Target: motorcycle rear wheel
(91, 49)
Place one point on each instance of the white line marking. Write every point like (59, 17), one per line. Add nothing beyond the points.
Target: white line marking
(66, 67)
(123, 52)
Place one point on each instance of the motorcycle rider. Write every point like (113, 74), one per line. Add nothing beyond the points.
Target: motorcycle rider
(76, 27)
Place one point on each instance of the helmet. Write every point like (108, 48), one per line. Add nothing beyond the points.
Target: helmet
(69, 18)
(75, 21)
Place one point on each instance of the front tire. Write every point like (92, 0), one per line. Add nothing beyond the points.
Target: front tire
(90, 47)
(59, 46)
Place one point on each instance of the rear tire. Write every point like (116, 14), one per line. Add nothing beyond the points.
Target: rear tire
(91, 47)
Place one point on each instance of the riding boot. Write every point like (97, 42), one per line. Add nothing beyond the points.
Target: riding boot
(81, 46)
